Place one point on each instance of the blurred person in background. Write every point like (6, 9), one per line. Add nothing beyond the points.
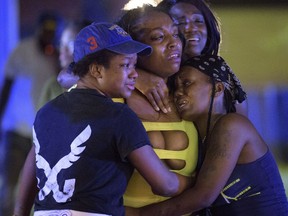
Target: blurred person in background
(29, 66)
(53, 87)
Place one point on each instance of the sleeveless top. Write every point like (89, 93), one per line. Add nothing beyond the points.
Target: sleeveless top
(255, 188)
(138, 192)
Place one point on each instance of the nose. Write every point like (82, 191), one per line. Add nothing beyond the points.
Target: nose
(190, 27)
(178, 90)
(133, 73)
(174, 42)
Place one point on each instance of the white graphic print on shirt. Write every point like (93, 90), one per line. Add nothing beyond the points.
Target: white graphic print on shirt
(65, 162)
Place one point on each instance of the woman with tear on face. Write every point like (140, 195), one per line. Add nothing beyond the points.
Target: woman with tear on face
(238, 175)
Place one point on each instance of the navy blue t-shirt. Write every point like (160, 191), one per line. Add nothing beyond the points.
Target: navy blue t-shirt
(82, 140)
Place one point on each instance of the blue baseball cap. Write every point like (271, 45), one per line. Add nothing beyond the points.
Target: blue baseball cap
(102, 35)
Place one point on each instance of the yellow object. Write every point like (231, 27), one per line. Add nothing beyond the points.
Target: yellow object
(138, 192)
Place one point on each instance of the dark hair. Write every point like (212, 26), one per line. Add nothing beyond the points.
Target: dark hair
(49, 27)
(130, 18)
(229, 103)
(212, 23)
(102, 57)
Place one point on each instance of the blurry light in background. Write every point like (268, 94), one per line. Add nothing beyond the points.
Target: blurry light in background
(138, 3)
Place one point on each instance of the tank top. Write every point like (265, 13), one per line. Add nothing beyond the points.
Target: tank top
(255, 188)
(138, 192)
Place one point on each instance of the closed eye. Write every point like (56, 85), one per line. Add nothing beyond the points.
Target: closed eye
(158, 37)
(186, 83)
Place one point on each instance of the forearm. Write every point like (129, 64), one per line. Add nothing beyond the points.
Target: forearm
(27, 187)
(189, 201)
(184, 183)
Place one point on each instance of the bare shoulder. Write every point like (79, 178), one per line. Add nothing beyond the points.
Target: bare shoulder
(233, 128)
(234, 120)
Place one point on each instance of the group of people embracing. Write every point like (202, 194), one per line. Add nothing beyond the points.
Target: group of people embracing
(178, 142)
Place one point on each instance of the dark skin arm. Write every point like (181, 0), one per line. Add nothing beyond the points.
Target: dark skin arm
(162, 181)
(66, 79)
(230, 145)
(27, 186)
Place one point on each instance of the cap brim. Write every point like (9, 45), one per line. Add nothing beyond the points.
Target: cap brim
(131, 47)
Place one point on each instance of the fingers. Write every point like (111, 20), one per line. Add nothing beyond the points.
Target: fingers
(159, 98)
(163, 101)
(154, 88)
(152, 98)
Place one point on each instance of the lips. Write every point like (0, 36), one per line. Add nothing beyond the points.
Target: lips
(181, 103)
(131, 86)
(192, 39)
(174, 55)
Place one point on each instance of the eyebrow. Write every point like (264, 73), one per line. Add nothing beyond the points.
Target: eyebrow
(157, 28)
(183, 17)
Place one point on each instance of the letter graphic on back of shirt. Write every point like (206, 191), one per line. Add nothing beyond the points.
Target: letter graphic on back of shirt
(65, 162)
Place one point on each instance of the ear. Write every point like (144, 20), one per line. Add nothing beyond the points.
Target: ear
(219, 89)
(96, 70)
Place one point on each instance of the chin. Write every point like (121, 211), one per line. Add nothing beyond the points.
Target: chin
(184, 115)
(172, 71)
(192, 52)
(125, 95)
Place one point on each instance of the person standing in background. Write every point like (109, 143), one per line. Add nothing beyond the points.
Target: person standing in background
(55, 86)
(28, 67)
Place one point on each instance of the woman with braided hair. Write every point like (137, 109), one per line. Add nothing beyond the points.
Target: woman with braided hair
(238, 175)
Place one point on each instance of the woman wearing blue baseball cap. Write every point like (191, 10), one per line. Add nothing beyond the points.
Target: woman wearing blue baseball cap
(85, 145)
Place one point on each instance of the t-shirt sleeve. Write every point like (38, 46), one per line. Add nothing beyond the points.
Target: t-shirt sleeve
(131, 132)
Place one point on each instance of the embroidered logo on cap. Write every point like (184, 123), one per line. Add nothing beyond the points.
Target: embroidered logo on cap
(119, 30)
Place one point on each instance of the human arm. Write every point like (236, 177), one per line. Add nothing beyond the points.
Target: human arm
(154, 89)
(27, 186)
(162, 181)
(222, 155)
(66, 78)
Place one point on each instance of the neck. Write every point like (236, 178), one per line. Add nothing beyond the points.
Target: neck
(202, 124)
(148, 76)
(84, 83)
